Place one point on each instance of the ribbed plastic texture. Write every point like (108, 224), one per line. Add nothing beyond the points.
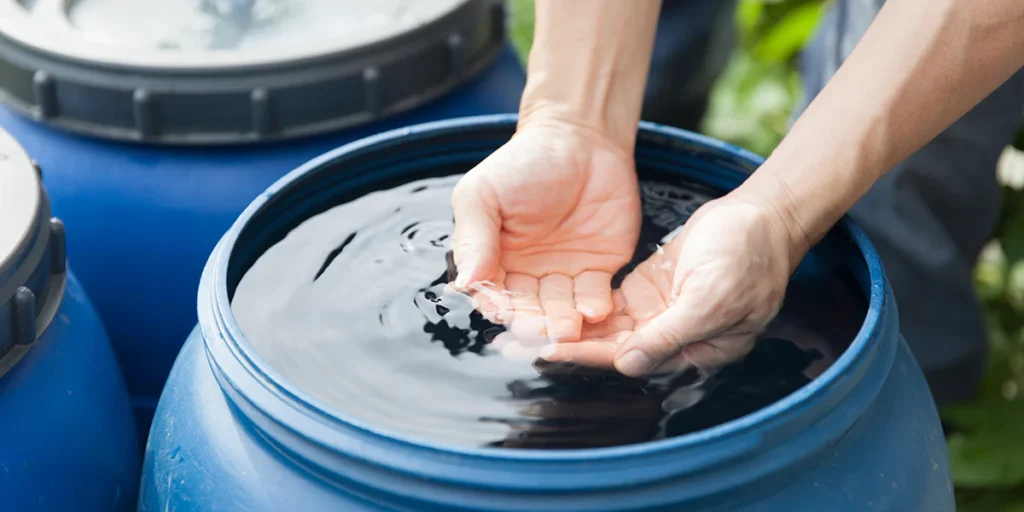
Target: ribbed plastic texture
(142, 218)
(32, 255)
(45, 73)
(865, 435)
(66, 430)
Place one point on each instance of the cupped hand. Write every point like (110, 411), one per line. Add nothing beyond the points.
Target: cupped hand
(701, 300)
(541, 226)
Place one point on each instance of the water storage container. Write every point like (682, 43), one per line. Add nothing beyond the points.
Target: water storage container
(231, 433)
(157, 122)
(66, 432)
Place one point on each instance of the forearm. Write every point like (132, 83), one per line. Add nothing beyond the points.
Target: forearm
(589, 65)
(920, 66)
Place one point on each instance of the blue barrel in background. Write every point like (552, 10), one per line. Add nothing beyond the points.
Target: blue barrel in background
(153, 141)
(230, 433)
(67, 438)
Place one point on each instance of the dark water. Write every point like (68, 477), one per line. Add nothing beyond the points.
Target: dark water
(353, 309)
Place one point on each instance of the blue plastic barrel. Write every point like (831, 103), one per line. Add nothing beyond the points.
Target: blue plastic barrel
(148, 179)
(67, 439)
(231, 433)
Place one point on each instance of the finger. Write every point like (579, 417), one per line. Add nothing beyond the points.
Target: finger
(476, 244)
(663, 337)
(492, 300)
(658, 270)
(618, 302)
(593, 292)
(501, 340)
(596, 354)
(556, 297)
(601, 355)
(515, 351)
(527, 317)
(483, 303)
(609, 326)
(511, 349)
(719, 351)
(643, 301)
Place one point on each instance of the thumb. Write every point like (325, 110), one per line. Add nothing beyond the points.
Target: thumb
(664, 337)
(476, 244)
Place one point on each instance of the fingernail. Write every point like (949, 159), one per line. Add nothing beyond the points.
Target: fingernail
(547, 352)
(634, 363)
(586, 311)
(462, 280)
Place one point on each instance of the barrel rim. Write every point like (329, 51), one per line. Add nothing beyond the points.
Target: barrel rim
(32, 261)
(246, 378)
(159, 99)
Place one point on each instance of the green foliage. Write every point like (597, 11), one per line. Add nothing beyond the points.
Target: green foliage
(983, 451)
(750, 107)
(751, 104)
(521, 29)
(776, 31)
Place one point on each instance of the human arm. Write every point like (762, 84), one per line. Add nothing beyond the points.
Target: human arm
(919, 67)
(551, 215)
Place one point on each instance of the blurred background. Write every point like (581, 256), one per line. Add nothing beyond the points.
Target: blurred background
(750, 106)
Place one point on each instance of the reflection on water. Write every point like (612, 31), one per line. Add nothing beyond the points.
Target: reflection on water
(353, 308)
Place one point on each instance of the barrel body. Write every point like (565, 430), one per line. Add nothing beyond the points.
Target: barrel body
(143, 219)
(202, 456)
(232, 433)
(67, 438)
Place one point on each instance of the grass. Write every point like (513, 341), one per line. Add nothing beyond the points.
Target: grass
(750, 106)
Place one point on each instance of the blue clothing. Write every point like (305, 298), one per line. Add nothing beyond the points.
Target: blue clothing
(929, 217)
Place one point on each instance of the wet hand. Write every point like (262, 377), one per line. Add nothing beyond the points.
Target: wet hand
(701, 300)
(541, 226)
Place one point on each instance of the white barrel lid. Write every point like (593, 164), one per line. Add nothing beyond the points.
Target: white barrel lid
(20, 194)
(210, 33)
(32, 255)
(230, 71)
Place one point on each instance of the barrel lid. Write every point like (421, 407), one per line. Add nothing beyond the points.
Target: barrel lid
(223, 71)
(32, 255)
(19, 199)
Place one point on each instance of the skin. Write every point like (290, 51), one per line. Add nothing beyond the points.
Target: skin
(556, 210)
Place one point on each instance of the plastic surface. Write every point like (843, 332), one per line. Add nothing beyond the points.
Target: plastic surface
(19, 199)
(94, 67)
(231, 434)
(28, 263)
(66, 430)
(142, 220)
(67, 438)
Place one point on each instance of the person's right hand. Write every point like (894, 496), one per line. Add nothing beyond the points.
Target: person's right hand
(541, 226)
(702, 299)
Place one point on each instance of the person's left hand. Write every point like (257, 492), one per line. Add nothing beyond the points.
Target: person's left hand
(701, 300)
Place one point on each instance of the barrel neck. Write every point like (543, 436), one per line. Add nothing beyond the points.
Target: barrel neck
(399, 471)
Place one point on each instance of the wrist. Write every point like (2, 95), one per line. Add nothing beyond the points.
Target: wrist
(548, 100)
(561, 123)
(588, 67)
(780, 216)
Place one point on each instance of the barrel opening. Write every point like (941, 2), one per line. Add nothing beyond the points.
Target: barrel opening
(350, 176)
(385, 163)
